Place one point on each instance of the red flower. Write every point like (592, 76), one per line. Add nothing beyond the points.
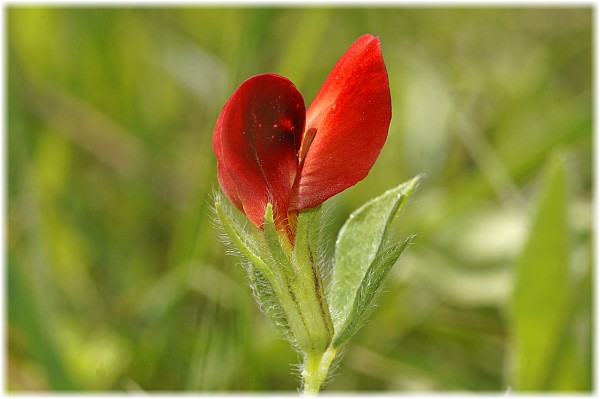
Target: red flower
(270, 149)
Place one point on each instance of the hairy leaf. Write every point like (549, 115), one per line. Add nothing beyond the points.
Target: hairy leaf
(367, 290)
(359, 255)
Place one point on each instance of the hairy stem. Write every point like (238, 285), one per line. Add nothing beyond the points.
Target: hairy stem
(316, 368)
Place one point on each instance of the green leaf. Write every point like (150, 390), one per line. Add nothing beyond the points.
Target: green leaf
(540, 298)
(368, 288)
(360, 260)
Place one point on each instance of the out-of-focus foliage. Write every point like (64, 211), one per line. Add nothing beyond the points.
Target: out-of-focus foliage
(116, 279)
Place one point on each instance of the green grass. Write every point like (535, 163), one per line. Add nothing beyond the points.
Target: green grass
(116, 279)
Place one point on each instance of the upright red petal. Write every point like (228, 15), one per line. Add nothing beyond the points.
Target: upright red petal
(256, 140)
(346, 125)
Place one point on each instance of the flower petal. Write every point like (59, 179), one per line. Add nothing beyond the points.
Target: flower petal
(346, 125)
(225, 181)
(256, 141)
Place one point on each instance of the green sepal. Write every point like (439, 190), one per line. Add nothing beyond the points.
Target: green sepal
(269, 303)
(277, 243)
(267, 281)
(277, 255)
(308, 285)
(361, 260)
(293, 297)
(240, 240)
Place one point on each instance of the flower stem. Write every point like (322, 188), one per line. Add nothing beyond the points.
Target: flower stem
(316, 368)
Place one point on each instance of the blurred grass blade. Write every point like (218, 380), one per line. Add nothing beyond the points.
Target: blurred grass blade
(86, 126)
(540, 298)
(359, 244)
(301, 49)
(24, 312)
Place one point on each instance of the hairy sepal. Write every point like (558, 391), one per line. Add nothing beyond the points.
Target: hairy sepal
(307, 260)
(265, 281)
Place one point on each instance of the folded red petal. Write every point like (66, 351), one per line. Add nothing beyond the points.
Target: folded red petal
(256, 140)
(346, 125)
(225, 181)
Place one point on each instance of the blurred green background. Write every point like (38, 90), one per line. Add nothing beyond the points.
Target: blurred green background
(116, 279)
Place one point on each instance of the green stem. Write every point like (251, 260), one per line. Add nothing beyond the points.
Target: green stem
(316, 368)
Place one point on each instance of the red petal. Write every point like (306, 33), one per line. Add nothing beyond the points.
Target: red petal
(225, 181)
(256, 141)
(346, 125)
